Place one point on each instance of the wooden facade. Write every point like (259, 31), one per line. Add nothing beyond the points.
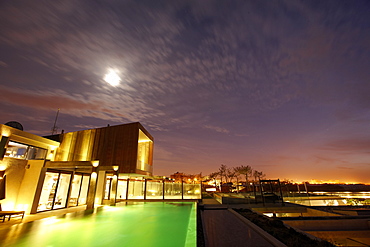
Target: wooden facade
(111, 146)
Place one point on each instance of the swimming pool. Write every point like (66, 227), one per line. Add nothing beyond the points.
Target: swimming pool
(138, 224)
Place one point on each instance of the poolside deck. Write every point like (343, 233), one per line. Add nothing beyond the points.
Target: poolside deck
(222, 228)
(38, 216)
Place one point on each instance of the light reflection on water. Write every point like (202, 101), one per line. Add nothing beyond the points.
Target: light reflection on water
(142, 224)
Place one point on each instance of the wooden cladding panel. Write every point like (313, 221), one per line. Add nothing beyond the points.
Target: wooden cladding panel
(112, 145)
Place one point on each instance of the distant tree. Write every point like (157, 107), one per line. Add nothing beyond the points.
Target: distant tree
(246, 171)
(229, 174)
(222, 171)
(258, 175)
(237, 174)
(213, 176)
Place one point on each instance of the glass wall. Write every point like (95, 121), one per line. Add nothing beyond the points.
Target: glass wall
(60, 200)
(172, 190)
(84, 189)
(122, 189)
(136, 189)
(75, 190)
(192, 191)
(154, 189)
(144, 152)
(55, 189)
(108, 185)
(48, 191)
(22, 151)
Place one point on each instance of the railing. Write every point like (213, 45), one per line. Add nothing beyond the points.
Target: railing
(157, 189)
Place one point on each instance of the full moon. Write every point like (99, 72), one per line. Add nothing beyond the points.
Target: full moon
(112, 77)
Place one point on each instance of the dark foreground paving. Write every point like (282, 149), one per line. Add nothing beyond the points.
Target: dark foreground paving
(222, 228)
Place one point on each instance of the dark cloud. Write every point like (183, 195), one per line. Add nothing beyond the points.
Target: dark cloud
(245, 73)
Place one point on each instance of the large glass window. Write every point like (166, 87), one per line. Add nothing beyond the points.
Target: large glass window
(172, 190)
(136, 189)
(22, 151)
(143, 152)
(36, 153)
(122, 189)
(84, 189)
(154, 189)
(62, 191)
(54, 192)
(192, 191)
(108, 185)
(75, 190)
(48, 191)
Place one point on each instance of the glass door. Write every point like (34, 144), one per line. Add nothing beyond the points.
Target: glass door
(84, 189)
(48, 191)
(60, 200)
(75, 191)
(54, 191)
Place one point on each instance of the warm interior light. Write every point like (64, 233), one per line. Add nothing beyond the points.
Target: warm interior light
(95, 163)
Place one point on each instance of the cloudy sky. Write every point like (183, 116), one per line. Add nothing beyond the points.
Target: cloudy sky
(282, 86)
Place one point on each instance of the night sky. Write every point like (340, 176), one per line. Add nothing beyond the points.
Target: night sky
(282, 86)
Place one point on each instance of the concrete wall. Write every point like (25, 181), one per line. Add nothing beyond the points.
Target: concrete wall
(100, 187)
(14, 171)
(28, 187)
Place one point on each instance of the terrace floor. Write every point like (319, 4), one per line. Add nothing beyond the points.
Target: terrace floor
(223, 228)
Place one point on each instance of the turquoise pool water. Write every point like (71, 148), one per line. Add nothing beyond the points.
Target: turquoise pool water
(140, 224)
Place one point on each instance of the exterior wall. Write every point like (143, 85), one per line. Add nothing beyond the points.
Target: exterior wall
(109, 146)
(100, 187)
(29, 139)
(112, 146)
(28, 187)
(14, 172)
(22, 175)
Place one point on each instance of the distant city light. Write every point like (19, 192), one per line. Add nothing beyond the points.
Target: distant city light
(112, 77)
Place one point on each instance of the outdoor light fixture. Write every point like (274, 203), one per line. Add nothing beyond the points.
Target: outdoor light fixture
(115, 168)
(95, 165)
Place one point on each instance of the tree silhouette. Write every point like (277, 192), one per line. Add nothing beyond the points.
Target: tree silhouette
(246, 171)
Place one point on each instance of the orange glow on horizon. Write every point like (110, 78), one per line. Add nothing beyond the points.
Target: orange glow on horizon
(316, 181)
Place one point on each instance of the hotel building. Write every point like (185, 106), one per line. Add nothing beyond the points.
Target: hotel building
(95, 166)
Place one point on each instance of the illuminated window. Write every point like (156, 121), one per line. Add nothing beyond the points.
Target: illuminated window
(54, 192)
(143, 152)
(22, 151)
